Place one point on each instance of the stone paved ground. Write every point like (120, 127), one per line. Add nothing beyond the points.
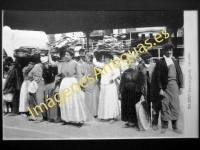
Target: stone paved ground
(19, 128)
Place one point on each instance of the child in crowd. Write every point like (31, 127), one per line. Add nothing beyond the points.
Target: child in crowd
(7, 99)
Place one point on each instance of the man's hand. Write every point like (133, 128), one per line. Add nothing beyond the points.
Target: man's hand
(161, 92)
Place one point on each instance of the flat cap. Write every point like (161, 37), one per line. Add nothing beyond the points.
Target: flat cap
(146, 55)
(167, 46)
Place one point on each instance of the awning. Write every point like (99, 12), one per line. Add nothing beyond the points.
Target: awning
(53, 22)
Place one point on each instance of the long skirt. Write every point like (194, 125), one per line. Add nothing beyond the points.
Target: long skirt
(74, 108)
(108, 102)
(92, 100)
(170, 103)
(53, 112)
(130, 97)
(23, 100)
(37, 99)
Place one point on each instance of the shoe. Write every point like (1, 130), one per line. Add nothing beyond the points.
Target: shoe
(38, 120)
(11, 114)
(112, 121)
(5, 113)
(163, 131)
(45, 118)
(60, 123)
(127, 125)
(137, 128)
(24, 115)
(31, 119)
(155, 127)
(51, 120)
(57, 121)
(79, 125)
(178, 131)
(63, 123)
(102, 120)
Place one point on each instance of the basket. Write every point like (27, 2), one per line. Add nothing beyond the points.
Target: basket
(142, 114)
(8, 97)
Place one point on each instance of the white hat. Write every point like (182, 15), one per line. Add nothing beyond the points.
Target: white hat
(33, 87)
(44, 59)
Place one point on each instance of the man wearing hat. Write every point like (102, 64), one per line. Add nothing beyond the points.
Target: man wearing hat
(147, 68)
(139, 60)
(169, 82)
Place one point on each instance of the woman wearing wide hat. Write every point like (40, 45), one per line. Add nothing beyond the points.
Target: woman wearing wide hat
(108, 99)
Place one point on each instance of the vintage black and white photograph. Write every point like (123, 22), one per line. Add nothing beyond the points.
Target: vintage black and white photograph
(99, 75)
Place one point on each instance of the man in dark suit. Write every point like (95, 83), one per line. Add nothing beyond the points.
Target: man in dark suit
(147, 68)
(169, 82)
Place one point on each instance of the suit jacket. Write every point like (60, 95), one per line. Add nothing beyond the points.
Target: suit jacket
(161, 72)
(144, 70)
(14, 79)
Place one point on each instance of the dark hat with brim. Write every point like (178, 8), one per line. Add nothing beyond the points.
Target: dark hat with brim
(109, 55)
(146, 55)
(167, 46)
(104, 53)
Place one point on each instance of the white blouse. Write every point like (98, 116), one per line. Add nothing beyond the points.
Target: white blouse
(108, 74)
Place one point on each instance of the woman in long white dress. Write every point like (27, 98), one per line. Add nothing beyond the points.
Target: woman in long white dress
(73, 108)
(23, 100)
(108, 99)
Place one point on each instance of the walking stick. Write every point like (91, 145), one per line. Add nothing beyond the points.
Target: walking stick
(151, 115)
(148, 96)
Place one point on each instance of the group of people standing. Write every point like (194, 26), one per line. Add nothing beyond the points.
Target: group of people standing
(159, 83)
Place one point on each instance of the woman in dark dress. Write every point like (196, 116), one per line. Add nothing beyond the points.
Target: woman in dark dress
(51, 88)
(13, 84)
(131, 84)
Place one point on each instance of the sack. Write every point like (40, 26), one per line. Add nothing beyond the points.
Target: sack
(142, 114)
(8, 97)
